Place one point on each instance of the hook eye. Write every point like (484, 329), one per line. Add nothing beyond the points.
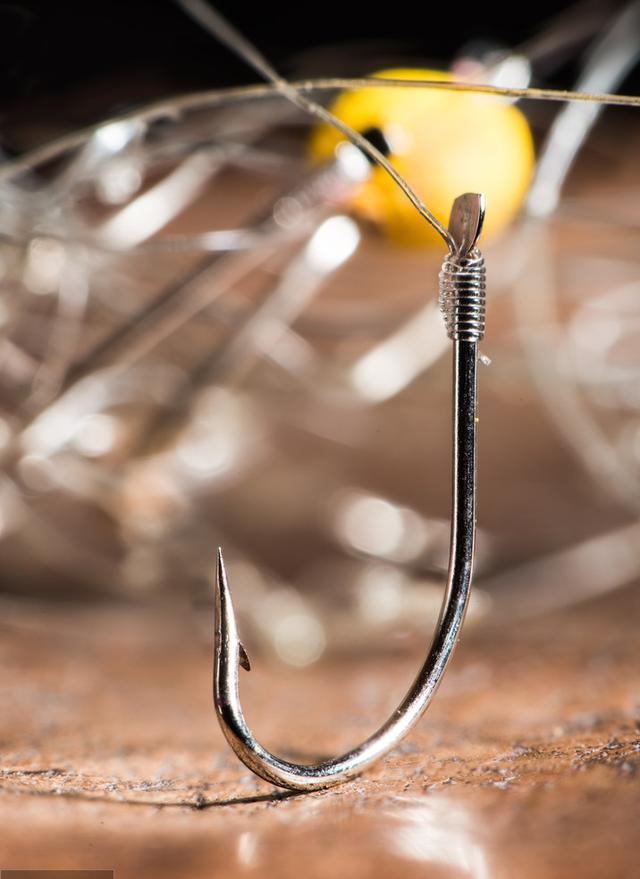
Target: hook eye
(466, 221)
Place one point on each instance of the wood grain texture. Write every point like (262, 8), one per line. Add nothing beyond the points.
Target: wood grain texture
(526, 765)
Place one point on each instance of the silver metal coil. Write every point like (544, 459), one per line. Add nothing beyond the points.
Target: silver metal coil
(462, 295)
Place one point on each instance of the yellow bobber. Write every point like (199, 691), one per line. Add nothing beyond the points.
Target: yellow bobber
(444, 143)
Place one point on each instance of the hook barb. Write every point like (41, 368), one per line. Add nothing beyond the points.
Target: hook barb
(227, 628)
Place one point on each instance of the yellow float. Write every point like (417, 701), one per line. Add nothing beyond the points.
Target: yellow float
(444, 143)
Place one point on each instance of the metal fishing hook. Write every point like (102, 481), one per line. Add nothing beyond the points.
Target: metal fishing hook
(462, 300)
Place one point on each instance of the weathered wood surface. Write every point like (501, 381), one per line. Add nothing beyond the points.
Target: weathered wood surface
(526, 765)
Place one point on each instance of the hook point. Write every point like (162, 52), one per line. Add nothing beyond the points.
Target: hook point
(225, 610)
(221, 590)
(220, 584)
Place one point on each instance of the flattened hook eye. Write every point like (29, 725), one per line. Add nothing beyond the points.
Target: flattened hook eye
(466, 221)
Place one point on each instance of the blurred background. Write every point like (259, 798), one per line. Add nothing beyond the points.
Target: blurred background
(220, 324)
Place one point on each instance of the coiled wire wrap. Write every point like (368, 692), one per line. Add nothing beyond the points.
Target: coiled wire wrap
(462, 295)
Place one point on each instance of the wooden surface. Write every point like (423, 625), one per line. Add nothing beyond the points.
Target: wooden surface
(525, 766)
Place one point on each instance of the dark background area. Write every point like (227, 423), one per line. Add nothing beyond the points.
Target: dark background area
(147, 48)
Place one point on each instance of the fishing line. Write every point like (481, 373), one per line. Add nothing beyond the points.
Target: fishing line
(211, 20)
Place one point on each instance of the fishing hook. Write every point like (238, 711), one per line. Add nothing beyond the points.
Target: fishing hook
(462, 300)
